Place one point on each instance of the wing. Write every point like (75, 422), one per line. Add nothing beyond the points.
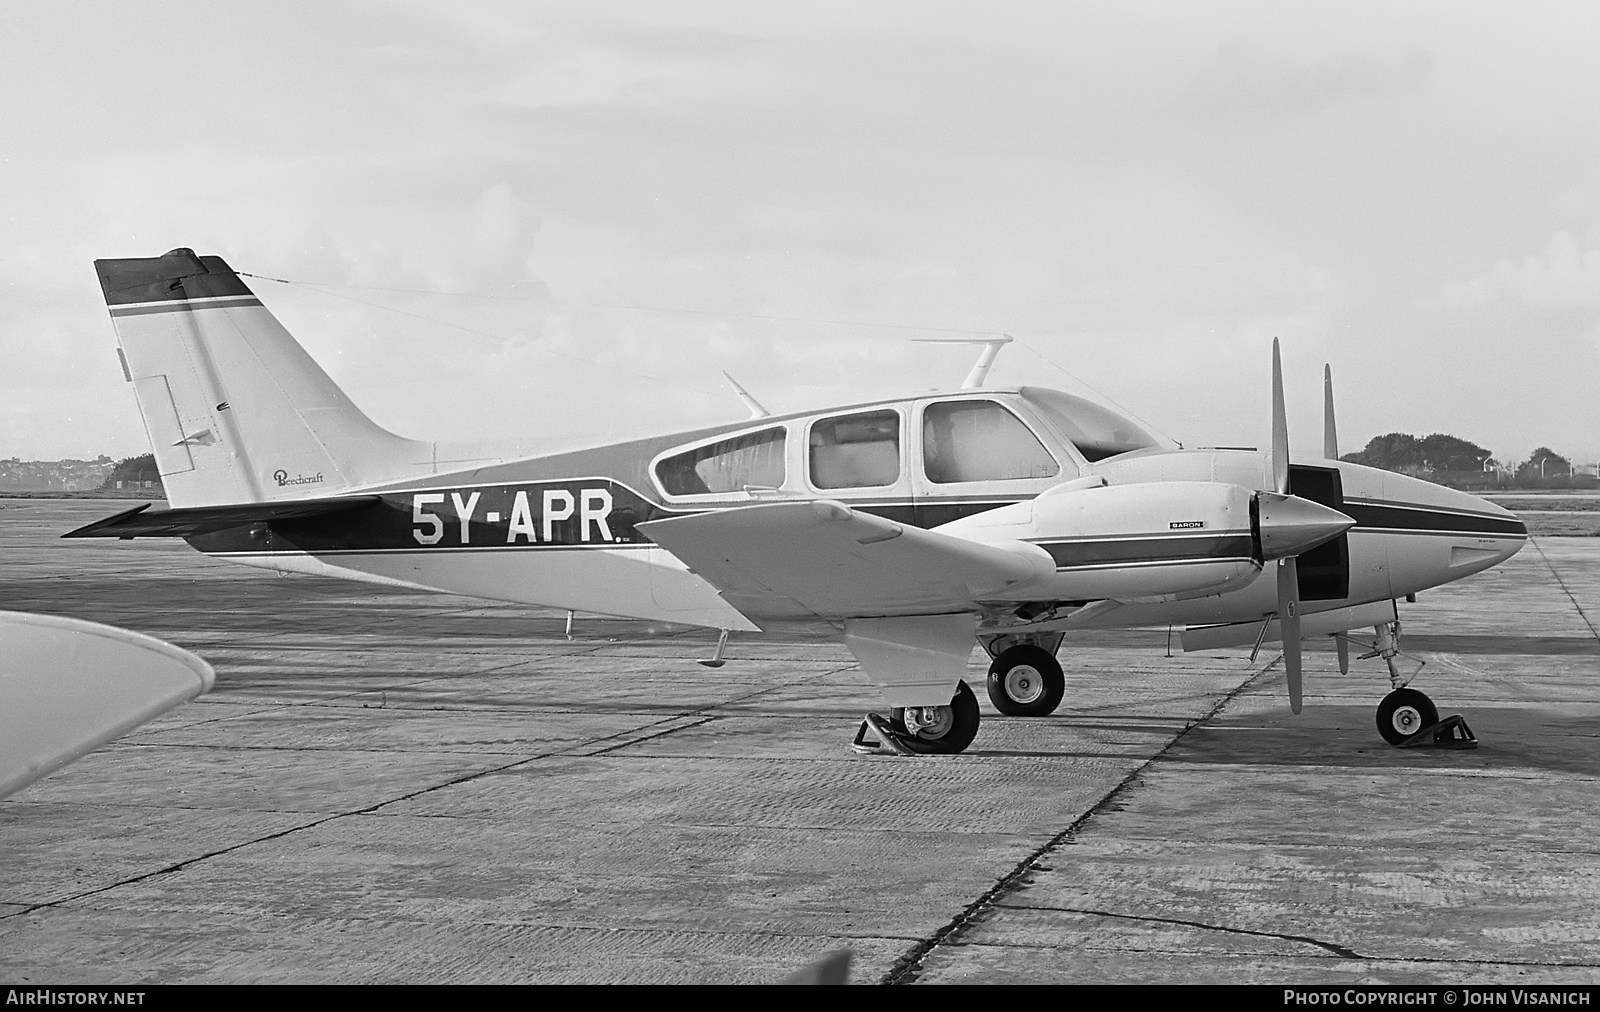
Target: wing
(183, 523)
(823, 559)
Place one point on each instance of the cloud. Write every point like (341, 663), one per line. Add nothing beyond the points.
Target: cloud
(1562, 278)
(1247, 81)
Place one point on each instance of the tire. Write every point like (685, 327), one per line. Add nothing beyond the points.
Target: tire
(1403, 713)
(951, 739)
(1026, 681)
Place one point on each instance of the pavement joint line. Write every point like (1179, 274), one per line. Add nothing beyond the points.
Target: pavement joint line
(701, 711)
(184, 864)
(223, 747)
(372, 809)
(908, 967)
(1336, 949)
(651, 737)
(1445, 961)
(1564, 589)
(176, 867)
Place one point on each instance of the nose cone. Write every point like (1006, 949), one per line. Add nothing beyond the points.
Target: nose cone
(1504, 536)
(1290, 525)
(1431, 535)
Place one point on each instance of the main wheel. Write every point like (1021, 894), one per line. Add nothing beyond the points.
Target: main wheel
(1026, 681)
(1403, 713)
(939, 730)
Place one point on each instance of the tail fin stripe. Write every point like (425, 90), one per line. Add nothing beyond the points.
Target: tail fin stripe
(143, 308)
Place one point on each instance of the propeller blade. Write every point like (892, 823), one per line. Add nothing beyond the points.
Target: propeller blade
(1289, 625)
(1330, 434)
(1280, 427)
(1344, 654)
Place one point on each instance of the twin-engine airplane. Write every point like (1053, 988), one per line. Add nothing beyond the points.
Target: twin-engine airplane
(910, 527)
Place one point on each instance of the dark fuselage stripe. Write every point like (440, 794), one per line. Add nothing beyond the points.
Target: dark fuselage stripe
(609, 546)
(1419, 520)
(1136, 551)
(333, 533)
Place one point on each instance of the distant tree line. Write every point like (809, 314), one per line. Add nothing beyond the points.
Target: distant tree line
(1450, 460)
(134, 472)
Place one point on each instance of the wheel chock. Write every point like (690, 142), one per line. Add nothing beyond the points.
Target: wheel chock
(1451, 732)
(888, 740)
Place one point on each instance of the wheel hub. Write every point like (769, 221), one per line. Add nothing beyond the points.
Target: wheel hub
(1407, 720)
(928, 721)
(1024, 683)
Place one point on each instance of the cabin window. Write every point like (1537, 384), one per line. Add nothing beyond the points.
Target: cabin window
(751, 461)
(980, 441)
(856, 451)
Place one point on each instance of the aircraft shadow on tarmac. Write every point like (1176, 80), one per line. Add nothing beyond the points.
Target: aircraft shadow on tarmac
(1534, 738)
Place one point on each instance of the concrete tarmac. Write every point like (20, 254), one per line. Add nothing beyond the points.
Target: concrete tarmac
(389, 786)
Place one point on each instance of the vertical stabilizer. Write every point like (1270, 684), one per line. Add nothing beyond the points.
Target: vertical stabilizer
(236, 410)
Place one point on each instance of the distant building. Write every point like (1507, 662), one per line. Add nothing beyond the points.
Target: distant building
(69, 475)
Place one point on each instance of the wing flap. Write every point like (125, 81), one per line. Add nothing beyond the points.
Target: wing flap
(825, 559)
(140, 522)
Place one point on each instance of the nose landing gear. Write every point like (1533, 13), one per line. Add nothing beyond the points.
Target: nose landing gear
(1407, 718)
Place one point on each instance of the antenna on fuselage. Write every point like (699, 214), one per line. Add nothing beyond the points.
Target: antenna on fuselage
(980, 369)
(756, 410)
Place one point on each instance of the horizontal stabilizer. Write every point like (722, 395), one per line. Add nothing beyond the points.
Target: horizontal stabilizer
(1322, 623)
(822, 558)
(184, 523)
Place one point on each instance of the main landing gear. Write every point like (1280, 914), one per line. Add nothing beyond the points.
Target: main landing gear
(1407, 718)
(1025, 679)
(923, 730)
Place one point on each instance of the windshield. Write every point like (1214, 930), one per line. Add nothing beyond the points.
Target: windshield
(1096, 431)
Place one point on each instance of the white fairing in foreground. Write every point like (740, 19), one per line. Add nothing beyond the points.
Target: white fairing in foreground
(69, 686)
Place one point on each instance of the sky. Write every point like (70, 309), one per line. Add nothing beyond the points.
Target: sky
(554, 224)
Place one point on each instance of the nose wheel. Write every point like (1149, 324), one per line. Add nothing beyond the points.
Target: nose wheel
(1403, 713)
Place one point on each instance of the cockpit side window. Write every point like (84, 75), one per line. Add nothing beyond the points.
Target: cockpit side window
(856, 451)
(753, 460)
(977, 440)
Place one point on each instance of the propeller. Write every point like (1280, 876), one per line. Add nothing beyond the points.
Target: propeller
(1288, 525)
(1288, 572)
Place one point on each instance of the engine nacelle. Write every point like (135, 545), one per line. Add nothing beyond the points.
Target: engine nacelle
(1153, 541)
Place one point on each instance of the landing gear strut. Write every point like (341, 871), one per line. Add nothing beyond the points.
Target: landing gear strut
(1406, 717)
(923, 730)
